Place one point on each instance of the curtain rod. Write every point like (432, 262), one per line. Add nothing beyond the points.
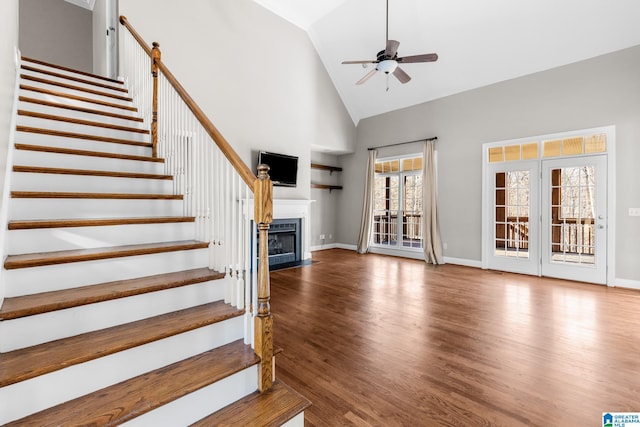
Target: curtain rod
(435, 138)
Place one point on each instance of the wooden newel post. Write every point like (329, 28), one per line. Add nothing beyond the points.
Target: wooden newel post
(263, 331)
(155, 59)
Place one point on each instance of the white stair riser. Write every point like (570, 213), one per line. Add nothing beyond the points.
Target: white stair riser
(78, 128)
(201, 403)
(74, 82)
(67, 73)
(77, 103)
(38, 329)
(72, 161)
(62, 239)
(23, 209)
(81, 144)
(81, 93)
(27, 181)
(33, 280)
(64, 112)
(57, 387)
(297, 421)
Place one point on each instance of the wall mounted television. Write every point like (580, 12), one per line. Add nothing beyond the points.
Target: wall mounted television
(283, 169)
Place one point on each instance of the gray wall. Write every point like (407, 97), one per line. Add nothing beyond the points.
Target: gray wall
(257, 77)
(58, 32)
(324, 209)
(597, 92)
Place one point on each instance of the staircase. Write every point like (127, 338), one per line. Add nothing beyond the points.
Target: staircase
(111, 314)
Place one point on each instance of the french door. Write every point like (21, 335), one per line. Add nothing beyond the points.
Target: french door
(574, 218)
(545, 206)
(514, 217)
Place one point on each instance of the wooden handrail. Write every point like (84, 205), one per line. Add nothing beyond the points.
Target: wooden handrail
(243, 170)
(262, 188)
(134, 33)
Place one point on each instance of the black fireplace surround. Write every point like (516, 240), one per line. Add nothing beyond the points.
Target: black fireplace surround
(285, 243)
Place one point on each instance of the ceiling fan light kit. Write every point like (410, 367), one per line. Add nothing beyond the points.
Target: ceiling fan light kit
(387, 66)
(387, 60)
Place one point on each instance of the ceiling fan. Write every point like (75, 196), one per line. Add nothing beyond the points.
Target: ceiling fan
(387, 60)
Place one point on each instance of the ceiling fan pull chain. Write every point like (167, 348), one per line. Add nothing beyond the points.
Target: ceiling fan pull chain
(387, 78)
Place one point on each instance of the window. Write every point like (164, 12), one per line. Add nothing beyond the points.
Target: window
(397, 211)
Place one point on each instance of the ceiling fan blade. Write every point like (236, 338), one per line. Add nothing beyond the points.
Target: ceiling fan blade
(366, 76)
(366, 61)
(401, 75)
(427, 57)
(392, 48)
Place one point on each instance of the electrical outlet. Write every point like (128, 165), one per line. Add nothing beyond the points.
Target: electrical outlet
(634, 211)
(322, 237)
(444, 246)
(330, 236)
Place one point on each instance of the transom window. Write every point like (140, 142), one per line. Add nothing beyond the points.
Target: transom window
(397, 212)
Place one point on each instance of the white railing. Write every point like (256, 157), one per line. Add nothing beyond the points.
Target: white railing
(213, 191)
(217, 185)
(135, 66)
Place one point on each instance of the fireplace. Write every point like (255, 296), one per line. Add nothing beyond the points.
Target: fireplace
(284, 242)
(288, 242)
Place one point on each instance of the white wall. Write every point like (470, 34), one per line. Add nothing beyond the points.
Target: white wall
(58, 32)
(8, 46)
(597, 92)
(257, 77)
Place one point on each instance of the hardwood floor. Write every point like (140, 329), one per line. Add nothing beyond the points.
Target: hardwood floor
(381, 341)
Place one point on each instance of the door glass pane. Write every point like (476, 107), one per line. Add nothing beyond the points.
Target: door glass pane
(512, 214)
(573, 215)
(412, 217)
(385, 210)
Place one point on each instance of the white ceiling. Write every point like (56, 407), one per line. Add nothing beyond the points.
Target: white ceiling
(478, 42)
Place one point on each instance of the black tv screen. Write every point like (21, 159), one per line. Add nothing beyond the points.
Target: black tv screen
(283, 169)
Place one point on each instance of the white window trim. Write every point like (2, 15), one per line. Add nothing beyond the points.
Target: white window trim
(376, 248)
(611, 186)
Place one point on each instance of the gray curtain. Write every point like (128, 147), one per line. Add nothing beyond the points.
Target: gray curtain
(364, 239)
(430, 226)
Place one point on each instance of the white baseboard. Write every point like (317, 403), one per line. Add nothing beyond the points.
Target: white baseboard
(347, 247)
(462, 261)
(324, 247)
(626, 283)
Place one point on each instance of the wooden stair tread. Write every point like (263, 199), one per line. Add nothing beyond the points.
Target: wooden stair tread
(272, 408)
(20, 365)
(80, 122)
(82, 136)
(80, 255)
(60, 67)
(80, 109)
(87, 172)
(69, 195)
(72, 78)
(95, 222)
(77, 97)
(59, 150)
(126, 400)
(74, 87)
(46, 302)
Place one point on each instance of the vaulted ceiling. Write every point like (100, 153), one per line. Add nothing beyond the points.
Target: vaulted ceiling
(478, 42)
